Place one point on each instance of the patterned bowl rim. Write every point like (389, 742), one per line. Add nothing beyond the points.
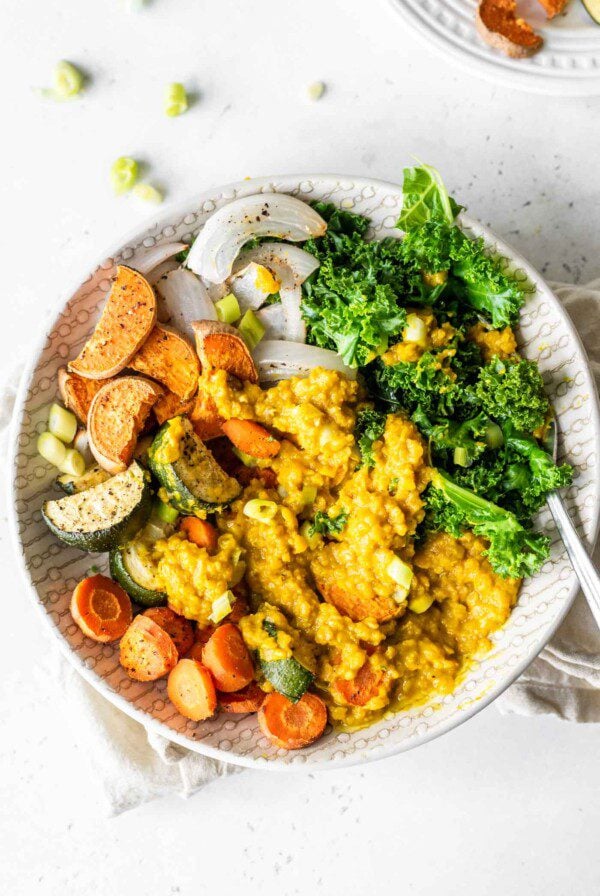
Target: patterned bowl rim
(284, 183)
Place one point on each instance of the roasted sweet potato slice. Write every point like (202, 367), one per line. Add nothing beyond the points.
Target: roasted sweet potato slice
(553, 7)
(126, 322)
(499, 25)
(358, 607)
(221, 346)
(116, 418)
(168, 357)
(205, 417)
(77, 392)
(171, 405)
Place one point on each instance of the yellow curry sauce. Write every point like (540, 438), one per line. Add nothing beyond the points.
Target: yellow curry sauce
(364, 616)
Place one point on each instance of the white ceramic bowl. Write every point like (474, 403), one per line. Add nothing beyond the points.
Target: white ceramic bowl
(51, 570)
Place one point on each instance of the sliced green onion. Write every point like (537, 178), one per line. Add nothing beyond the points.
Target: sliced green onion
(228, 309)
(313, 539)
(262, 511)
(62, 424)
(123, 174)
(315, 91)
(51, 449)
(222, 606)
(176, 101)
(68, 80)
(165, 512)
(400, 573)
(420, 604)
(309, 495)
(251, 329)
(494, 437)
(73, 464)
(246, 459)
(415, 330)
(147, 193)
(461, 456)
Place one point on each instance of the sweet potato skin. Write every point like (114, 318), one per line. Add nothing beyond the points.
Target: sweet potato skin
(171, 405)
(499, 26)
(126, 321)
(116, 418)
(168, 357)
(77, 392)
(221, 346)
(553, 7)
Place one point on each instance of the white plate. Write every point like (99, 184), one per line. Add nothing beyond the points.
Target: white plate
(567, 65)
(51, 570)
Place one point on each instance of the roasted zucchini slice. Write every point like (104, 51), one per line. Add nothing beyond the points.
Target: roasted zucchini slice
(104, 516)
(194, 482)
(72, 485)
(132, 568)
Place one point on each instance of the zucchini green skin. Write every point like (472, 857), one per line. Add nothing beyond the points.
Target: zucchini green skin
(112, 533)
(72, 485)
(195, 483)
(138, 593)
(288, 677)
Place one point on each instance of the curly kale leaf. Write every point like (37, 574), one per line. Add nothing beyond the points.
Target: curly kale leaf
(425, 198)
(370, 426)
(351, 303)
(533, 473)
(513, 392)
(513, 551)
(323, 524)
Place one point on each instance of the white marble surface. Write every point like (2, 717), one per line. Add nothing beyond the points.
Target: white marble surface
(500, 806)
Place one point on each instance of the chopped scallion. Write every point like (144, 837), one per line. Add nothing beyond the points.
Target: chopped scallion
(228, 309)
(262, 511)
(251, 329)
(461, 456)
(147, 193)
(123, 174)
(176, 101)
(420, 604)
(165, 512)
(222, 606)
(51, 449)
(62, 423)
(494, 437)
(73, 464)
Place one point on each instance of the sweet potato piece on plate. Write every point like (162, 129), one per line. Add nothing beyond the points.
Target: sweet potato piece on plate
(205, 418)
(171, 405)
(358, 607)
(179, 629)
(221, 346)
(553, 7)
(77, 392)
(126, 322)
(117, 417)
(168, 357)
(500, 27)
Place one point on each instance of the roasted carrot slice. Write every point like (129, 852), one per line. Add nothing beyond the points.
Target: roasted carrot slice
(101, 608)
(179, 629)
(246, 475)
(147, 652)
(362, 688)
(251, 438)
(199, 532)
(200, 638)
(249, 699)
(191, 690)
(292, 725)
(228, 659)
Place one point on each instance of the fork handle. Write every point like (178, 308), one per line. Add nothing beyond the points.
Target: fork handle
(589, 579)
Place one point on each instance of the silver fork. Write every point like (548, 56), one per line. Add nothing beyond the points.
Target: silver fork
(589, 579)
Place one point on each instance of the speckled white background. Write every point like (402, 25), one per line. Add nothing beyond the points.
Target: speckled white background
(500, 806)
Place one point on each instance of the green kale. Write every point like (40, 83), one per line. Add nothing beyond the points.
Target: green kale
(537, 474)
(513, 392)
(370, 426)
(468, 437)
(513, 551)
(351, 303)
(323, 524)
(425, 198)
(434, 243)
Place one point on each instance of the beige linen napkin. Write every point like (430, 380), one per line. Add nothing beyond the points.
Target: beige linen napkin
(133, 765)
